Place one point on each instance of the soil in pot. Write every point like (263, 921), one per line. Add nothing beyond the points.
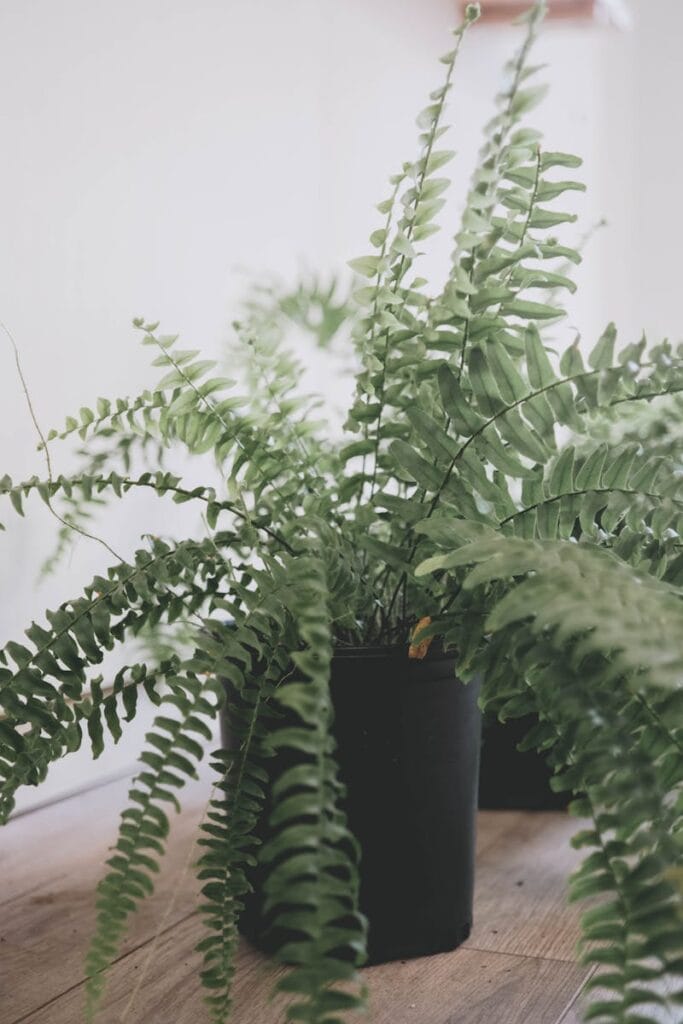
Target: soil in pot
(408, 736)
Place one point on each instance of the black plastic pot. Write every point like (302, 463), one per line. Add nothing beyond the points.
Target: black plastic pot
(511, 779)
(408, 737)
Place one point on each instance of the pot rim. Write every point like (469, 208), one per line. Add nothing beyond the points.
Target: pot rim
(398, 651)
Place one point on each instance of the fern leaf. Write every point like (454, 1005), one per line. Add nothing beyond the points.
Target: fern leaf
(144, 824)
(228, 836)
(306, 894)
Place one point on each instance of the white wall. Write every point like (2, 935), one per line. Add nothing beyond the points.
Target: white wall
(151, 147)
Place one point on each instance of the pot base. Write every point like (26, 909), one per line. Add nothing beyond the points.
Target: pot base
(445, 944)
(380, 953)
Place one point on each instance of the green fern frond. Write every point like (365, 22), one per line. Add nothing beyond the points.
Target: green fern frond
(555, 569)
(103, 710)
(312, 882)
(90, 487)
(319, 307)
(395, 309)
(566, 588)
(168, 762)
(228, 834)
(508, 422)
(621, 497)
(41, 683)
(607, 689)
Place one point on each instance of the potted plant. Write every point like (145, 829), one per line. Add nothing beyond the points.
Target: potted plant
(450, 534)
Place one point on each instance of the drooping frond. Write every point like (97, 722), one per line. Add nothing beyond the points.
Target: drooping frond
(170, 759)
(43, 686)
(600, 647)
(561, 592)
(161, 483)
(228, 838)
(463, 404)
(312, 883)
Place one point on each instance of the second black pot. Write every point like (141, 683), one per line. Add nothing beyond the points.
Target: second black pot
(513, 779)
(408, 736)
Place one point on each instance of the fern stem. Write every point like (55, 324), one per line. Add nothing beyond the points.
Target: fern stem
(398, 276)
(121, 583)
(400, 178)
(48, 458)
(209, 405)
(582, 493)
(584, 375)
(160, 488)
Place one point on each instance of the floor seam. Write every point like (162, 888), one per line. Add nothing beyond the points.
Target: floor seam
(71, 794)
(572, 1002)
(124, 956)
(521, 956)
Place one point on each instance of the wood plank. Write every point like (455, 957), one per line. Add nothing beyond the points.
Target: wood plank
(52, 859)
(521, 885)
(48, 918)
(655, 1014)
(492, 826)
(464, 987)
(472, 987)
(48, 842)
(170, 989)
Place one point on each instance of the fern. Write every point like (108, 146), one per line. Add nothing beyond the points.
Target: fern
(37, 683)
(313, 881)
(228, 833)
(169, 760)
(80, 507)
(623, 753)
(394, 317)
(553, 567)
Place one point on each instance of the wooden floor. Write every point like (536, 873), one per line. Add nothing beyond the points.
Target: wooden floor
(517, 968)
